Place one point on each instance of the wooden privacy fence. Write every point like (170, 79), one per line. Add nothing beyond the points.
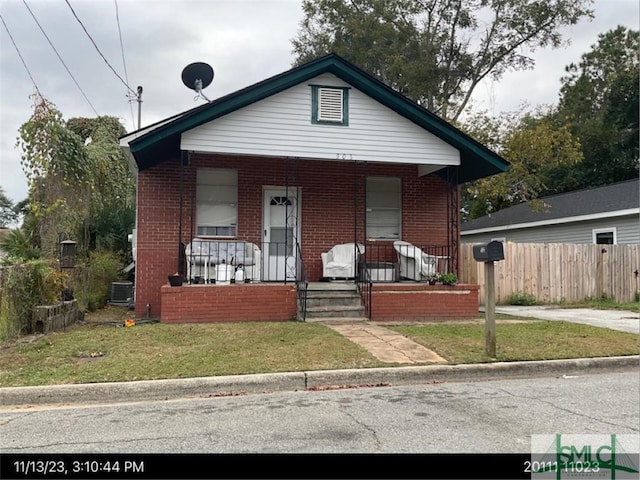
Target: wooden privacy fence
(557, 272)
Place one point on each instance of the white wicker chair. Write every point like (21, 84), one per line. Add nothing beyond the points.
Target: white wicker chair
(414, 263)
(340, 261)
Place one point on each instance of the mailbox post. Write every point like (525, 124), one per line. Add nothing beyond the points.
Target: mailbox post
(489, 253)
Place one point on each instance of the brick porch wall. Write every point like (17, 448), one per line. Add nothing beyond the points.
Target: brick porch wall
(228, 303)
(407, 302)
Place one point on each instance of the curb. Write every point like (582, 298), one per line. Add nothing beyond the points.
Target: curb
(154, 390)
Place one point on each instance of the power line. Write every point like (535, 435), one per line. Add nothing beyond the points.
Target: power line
(98, 50)
(20, 55)
(60, 58)
(124, 63)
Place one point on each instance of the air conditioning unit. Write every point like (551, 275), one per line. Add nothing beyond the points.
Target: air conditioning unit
(121, 292)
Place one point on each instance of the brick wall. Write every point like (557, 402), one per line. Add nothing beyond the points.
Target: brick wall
(333, 210)
(228, 303)
(402, 302)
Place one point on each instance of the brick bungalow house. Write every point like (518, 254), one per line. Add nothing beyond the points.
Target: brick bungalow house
(271, 177)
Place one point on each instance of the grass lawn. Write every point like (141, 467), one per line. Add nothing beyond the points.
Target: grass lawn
(522, 341)
(105, 351)
(87, 354)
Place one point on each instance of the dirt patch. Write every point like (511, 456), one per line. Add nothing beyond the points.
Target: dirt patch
(109, 315)
(84, 357)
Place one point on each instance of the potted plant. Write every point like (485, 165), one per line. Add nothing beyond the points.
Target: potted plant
(432, 279)
(175, 280)
(448, 278)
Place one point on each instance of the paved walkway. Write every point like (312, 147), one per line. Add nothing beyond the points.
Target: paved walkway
(387, 345)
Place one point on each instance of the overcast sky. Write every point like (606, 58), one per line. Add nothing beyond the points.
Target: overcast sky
(245, 41)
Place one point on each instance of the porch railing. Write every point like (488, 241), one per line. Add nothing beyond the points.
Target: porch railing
(302, 285)
(388, 263)
(213, 261)
(363, 282)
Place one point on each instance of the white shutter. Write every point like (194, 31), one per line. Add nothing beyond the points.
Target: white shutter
(330, 105)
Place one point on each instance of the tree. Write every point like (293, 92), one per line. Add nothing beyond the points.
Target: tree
(78, 177)
(112, 200)
(8, 213)
(599, 103)
(435, 52)
(541, 154)
(55, 163)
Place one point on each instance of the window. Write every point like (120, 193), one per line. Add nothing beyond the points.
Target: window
(605, 236)
(384, 213)
(330, 105)
(216, 202)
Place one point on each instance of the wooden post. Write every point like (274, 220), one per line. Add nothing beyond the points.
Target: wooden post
(490, 309)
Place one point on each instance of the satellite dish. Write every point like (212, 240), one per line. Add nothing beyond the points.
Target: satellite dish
(197, 76)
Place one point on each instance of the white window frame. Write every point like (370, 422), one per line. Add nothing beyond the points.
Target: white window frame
(390, 210)
(596, 231)
(216, 202)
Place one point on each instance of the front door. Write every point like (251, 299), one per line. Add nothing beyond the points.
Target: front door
(281, 220)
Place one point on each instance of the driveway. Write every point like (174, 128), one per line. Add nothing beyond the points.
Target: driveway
(623, 320)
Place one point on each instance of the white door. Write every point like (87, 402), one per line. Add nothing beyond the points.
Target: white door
(281, 220)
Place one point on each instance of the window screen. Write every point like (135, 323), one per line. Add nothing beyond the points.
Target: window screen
(384, 212)
(216, 202)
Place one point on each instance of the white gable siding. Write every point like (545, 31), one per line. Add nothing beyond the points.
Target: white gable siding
(281, 125)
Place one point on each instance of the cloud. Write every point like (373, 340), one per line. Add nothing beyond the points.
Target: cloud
(245, 41)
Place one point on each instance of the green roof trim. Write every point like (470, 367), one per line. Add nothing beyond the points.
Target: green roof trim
(471, 152)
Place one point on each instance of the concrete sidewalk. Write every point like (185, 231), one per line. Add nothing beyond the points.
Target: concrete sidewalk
(64, 396)
(622, 320)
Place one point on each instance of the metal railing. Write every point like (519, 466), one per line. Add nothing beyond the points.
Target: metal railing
(363, 282)
(388, 262)
(219, 261)
(215, 261)
(302, 285)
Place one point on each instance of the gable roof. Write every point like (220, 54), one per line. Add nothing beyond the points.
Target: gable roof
(622, 198)
(158, 142)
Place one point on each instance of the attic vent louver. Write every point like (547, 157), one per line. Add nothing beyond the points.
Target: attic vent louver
(330, 103)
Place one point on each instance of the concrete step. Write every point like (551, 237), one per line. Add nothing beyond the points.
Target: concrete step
(333, 300)
(332, 287)
(322, 300)
(335, 311)
(337, 320)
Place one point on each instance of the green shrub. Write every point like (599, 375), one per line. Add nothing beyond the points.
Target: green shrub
(24, 287)
(448, 278)
(102, 268)
(521, 298)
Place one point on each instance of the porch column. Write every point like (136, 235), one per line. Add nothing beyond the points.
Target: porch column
(453, 213)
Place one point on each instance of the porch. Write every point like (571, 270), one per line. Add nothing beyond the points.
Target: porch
(278, 288)
(387, 302)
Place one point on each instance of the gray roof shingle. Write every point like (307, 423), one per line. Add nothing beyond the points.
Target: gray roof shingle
(609, 198)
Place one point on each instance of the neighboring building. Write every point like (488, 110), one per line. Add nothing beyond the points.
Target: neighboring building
(276, 174)
(602, 215)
